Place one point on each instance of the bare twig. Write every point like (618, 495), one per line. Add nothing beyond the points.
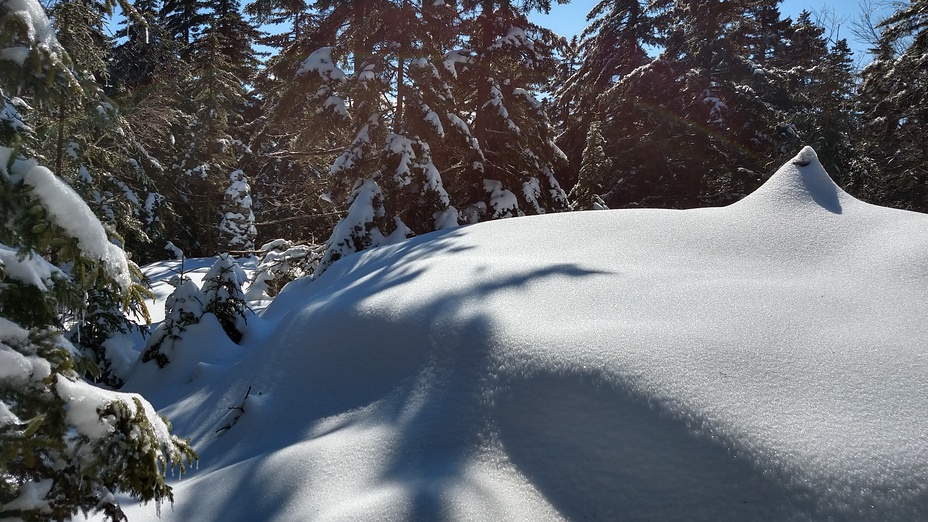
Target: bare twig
(241, 411)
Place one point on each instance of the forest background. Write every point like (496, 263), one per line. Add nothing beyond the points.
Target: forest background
(422, 115)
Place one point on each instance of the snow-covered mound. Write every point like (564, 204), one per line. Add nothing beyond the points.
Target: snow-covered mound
(763, 361)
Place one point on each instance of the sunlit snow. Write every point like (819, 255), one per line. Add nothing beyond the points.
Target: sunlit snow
(762, 361)
(66, 209)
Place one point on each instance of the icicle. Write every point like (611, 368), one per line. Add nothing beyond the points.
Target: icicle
(146, 35)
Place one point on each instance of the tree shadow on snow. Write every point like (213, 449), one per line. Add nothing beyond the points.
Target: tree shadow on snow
(598, 451)
(424, 381)
(443, 417)
(591, 446)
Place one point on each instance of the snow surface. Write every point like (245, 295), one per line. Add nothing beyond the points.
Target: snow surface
(32, 270)
(18, 368)
(84, 403)
(32, 496)
(762, 361)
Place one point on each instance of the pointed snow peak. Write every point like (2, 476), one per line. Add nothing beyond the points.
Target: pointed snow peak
(806, 157)
(801, 182)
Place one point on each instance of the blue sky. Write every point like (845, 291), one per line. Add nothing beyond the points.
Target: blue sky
(570, 19)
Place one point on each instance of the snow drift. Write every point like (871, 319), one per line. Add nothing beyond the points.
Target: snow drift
(765, 361)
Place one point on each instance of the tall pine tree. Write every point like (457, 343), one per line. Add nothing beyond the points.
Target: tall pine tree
(893, 105)
(703, 121)
(507, 60)
(610, 48)
(211, 144)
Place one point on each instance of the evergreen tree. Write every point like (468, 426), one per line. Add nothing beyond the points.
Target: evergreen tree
(65, 446)
(86, 138)
(293, 15)
(237, 230)
(507, 59)
(237, 38)
(211, 143)
(702, 122)
(398, 190)
(282, 262)
(893, 104)
(442, 134)
(594, 170)
(149, 77)
(183, 19)
(820, 83)
(610, 48)
(222, 291)
(303, 126)
(184, 307)
(729, 95)
(102, 333)
(147, 55)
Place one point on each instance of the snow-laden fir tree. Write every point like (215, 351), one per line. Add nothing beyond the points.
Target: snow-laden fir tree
(95, 151)
(183, 308)
(442, 133)
(65, 445)
(282, 262)
(297, 136)
(893, 107)
(237, 230)
(103, 335)
(504, 60)
(222, 293)
(303, 128)
(595, 168)
(86, 138)
(610, 47)
(207, 150)
(397, 107)
(208, 140)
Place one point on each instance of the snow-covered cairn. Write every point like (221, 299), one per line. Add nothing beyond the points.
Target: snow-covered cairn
(237, 230)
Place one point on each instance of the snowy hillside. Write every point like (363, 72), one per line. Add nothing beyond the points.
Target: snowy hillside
(762, 361)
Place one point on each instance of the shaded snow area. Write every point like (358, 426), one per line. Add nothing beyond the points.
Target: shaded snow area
(762, 361)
